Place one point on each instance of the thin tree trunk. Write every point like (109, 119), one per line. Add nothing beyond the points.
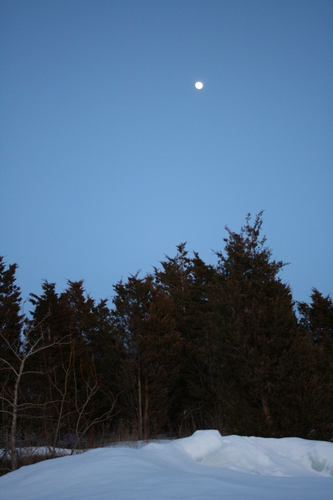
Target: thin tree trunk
(266, 410)
(14, 417)
(63, 398)
(140, 404)
(146, 410)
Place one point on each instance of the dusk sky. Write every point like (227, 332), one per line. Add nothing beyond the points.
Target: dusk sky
(110, 157)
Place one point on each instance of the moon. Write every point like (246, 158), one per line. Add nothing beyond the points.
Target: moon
(198, 85)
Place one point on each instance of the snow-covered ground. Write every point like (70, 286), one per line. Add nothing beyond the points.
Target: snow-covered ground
(203, 466)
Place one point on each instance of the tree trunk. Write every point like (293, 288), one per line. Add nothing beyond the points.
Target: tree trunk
(266, 410)
(146, 410)
(14, 417)
(140, 405)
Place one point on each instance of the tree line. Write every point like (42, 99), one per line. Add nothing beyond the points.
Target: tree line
(189, 346)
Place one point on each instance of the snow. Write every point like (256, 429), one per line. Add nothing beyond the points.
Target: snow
(203, 466)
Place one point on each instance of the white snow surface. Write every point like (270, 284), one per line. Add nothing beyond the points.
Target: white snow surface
(203, 466)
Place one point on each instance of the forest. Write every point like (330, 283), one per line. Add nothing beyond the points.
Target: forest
(189, 346)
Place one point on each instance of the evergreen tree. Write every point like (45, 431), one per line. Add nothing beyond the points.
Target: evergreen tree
(191, 285)
(150, 354)
(316, 371)
(176, 279)
(317, 318)
(72, 388)
(11, 319)
(19, 346)
(260, 324)
(11, 324)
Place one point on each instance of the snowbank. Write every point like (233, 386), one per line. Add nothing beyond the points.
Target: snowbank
(271, 457)
(203, 466)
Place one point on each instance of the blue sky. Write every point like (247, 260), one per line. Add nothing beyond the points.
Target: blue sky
(109, 156)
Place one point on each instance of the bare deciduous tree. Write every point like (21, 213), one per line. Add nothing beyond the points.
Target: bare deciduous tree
(11, 396)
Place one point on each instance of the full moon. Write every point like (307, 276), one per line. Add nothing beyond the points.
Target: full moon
(198, 85)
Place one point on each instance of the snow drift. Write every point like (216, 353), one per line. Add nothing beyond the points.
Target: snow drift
(203, 466)
(271, 457)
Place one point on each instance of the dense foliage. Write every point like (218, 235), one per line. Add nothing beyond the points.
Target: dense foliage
(191, 346)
